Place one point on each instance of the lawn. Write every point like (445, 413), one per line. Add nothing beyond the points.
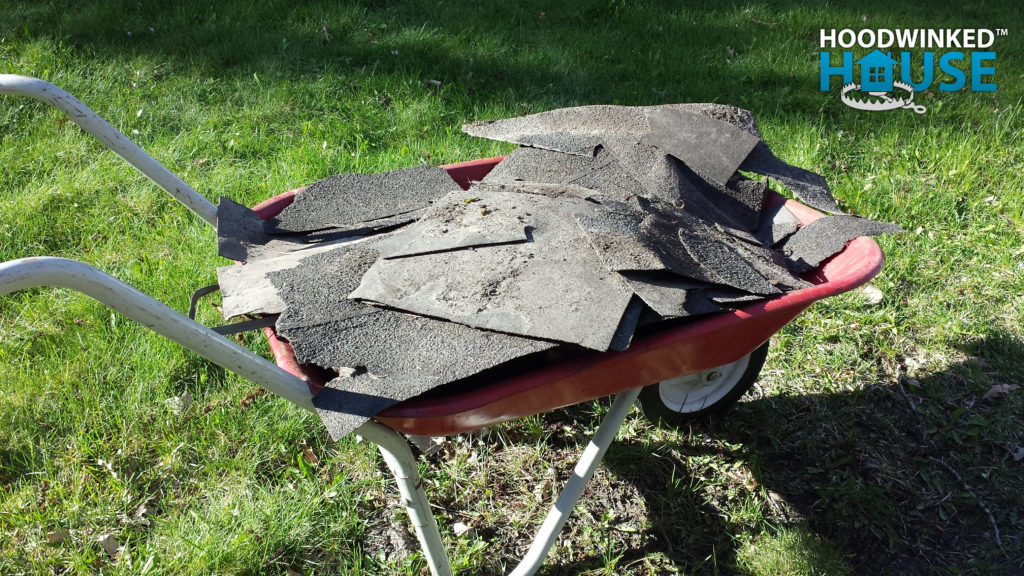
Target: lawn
(870, 445)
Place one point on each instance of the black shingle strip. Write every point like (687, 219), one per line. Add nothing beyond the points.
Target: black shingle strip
(764, 262)
(406, 354)
(577, 130)
(749, 196)
(713, 148)
(671, 296)
(247, 288)
(777, 224)
(826, 237)
(584, 131)
(241, 237)
(713, 202)
(618, 129)
(539, 165)
(629, 238)
(358, 201)
(808, 186)
(456, 221)
(349, 401)
(627, 325)
(715, 252)
(601, 173)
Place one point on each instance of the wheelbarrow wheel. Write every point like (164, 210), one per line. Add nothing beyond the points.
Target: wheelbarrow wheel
(691, 396)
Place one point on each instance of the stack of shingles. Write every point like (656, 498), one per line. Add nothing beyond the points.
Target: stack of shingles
(606, 216)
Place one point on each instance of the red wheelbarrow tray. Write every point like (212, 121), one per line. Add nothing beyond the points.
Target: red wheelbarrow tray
(693, 346)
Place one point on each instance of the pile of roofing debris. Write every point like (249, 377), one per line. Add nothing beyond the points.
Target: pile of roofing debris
(605, 218)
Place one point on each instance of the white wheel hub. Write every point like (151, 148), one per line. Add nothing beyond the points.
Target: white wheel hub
(696, 391)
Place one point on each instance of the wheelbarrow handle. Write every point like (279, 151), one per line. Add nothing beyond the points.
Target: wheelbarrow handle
(112, 138)
(47, 271)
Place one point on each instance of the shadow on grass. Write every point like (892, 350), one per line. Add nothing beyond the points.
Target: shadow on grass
(587, 52)
(908, 477)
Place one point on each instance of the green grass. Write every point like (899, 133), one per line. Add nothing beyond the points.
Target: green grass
(866, 447)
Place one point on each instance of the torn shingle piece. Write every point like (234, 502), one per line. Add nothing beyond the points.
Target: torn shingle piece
(713, 202)
(743, 235)
(537, 165)
(352, 201)
(241, 237)
(247, 289)
(749, 196)
(581, 129)
(404, 354)
(314, 291)
(768, 264)
(456, 221)
(671, 296)
(616, 236)
(738, 117)
(348, 401)
(601, 173)
(808, 186)
(577, 130)
(713, 148)
(777, 224)
(671, 239)
(629, 238)
(393, 343)
(585, 129)
(826, 237)
(609, 178)
(619, 129)
(649, 235)
(715, 253)
(552, 288)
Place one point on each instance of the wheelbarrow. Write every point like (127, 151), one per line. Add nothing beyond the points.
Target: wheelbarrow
(685, 370)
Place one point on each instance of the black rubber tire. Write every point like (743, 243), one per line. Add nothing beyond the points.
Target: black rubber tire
(655, 410)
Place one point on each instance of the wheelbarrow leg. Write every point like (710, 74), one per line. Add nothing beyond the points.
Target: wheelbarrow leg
(400, 460)
(581, 475)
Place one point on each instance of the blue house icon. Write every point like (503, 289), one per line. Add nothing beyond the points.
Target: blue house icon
(876, 72)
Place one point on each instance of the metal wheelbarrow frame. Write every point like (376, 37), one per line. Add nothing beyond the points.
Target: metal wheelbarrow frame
(696, 346)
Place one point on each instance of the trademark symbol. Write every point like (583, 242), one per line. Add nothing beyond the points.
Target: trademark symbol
(1001, 32)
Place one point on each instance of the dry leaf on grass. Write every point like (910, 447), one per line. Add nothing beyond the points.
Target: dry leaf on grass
(58, 536)
(109, 543)
(309, 456)
(245, 402)
(1017, 452)
(998, 390)
(179, 404)
(143, 510)
(463, 529)
(871, 294)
